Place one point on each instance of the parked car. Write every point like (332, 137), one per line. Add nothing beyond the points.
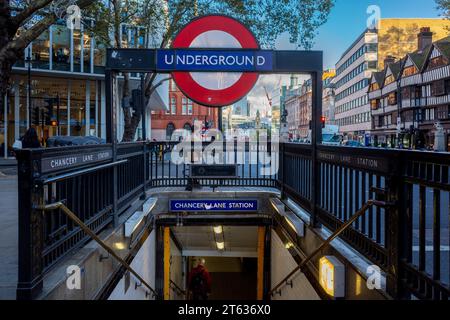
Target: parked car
(63, 141)
(353, 143)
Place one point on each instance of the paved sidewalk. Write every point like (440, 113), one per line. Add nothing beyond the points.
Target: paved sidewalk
(8, 236)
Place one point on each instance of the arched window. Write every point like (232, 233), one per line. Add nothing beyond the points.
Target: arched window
(169, 130)
(187, 126)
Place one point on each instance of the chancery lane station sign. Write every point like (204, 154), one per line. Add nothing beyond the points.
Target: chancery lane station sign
(215, 60)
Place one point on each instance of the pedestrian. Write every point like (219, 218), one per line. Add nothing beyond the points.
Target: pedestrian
(30, 139)
(199, 281)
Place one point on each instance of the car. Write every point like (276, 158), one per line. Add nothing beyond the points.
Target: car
(353, 143)
(62, 141)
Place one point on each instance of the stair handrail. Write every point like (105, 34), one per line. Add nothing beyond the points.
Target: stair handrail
(90, 233)
(327, 242)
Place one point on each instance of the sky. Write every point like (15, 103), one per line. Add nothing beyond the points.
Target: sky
(347, 21)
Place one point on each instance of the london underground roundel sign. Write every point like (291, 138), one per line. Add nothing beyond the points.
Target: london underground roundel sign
(220, 41)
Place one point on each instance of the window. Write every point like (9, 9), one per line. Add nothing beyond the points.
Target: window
(187, 126)
(392, 99)
(374, 86)
(409, 71)
(183, 106)
(41, 51)
(406, 93)
(189, 107)
(169, 130)
(173, 86)
(372, 65)
(390, 79)
(438, 88)
(374, 104)
(371, 47)
(437, 62)
(443, 112)
(173, 105)
(61, 48)
(77, 48)
(367, 48)
(429, 114)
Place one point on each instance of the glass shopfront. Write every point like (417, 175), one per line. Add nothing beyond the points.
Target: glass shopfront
(61, 49)
(79, 109)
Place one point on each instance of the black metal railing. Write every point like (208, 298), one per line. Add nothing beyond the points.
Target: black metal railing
(409, 241)
(99, 183)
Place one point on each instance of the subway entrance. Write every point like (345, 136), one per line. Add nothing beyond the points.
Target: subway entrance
(215, 260)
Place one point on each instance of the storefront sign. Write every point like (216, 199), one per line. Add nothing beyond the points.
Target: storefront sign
(75, 160)
(213, 205)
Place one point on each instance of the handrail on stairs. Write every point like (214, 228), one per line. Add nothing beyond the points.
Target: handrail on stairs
(177, 288)
(88, 231)
(327, 242)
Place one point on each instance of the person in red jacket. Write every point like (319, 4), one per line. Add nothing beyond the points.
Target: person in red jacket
(199, 281)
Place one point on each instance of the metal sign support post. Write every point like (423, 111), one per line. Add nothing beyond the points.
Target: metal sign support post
(111, 132)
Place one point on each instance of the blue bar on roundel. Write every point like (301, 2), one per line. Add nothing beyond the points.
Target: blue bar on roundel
(204, 60)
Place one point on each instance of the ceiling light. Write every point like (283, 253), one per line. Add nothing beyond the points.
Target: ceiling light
(218, 229)
(220, 245)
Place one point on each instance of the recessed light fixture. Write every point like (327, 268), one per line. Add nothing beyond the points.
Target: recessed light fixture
(218, 229)
(119, 245)
(289, 245)
(220, 245)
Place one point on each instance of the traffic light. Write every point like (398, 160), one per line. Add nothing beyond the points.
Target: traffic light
(136, 100)
(35, 116)
(323, 120)
(48, 111)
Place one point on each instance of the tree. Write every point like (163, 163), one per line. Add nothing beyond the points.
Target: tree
(22, 21)
(444, 6)
(164, 18)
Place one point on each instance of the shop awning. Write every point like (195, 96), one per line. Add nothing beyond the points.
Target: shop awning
(159, 100)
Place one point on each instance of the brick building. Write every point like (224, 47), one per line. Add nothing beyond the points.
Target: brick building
(181, 114)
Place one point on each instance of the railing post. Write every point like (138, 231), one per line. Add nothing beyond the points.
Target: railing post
(316, 139)
(145, 170)
(396, 224)
(111, 135)
(144, 137)
(31, 235)
(281, 170)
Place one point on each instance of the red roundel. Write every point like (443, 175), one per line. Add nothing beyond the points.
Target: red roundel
(215, 89)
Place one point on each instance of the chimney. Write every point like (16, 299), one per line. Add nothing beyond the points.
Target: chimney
(425, 38)
(294, 81)
(389, 60)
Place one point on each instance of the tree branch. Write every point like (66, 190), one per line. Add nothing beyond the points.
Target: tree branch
(28, 11)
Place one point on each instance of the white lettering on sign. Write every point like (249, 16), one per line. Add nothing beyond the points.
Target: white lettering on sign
(89, 157)
(214, 60)
(57, 163)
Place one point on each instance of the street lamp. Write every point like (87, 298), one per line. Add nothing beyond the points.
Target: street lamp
(28, 61)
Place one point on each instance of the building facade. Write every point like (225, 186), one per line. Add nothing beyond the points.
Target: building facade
(299, 109)
(353, 70)
(421, 93)
(66, 66)
(392, 38)
(182, 114)
(329, 96)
